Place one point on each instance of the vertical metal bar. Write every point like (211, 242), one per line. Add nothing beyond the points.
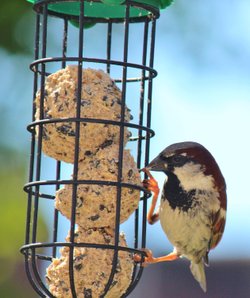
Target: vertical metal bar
(32, 150)
(56, 213)
(77, 141)
(109, 41)
(121, 148)
(40, 128)
(123, 105)
(149, 108)
(65, 42)
(150, 87)
(58, 163)
(39, 150)
(138, 273)
(141, 107)
(32, 163)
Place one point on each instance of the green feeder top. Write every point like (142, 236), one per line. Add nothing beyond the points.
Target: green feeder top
(103, 8)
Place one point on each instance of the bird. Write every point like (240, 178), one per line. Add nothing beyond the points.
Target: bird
(192, 210)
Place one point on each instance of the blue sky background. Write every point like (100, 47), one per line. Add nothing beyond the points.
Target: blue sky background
(202, 93)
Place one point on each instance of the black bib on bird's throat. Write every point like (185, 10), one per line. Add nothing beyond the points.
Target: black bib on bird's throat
(175, 194)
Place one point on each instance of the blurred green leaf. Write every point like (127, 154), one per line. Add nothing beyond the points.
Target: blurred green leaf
(16, 283)
(13, 204)
(11, 13)
(12, 213)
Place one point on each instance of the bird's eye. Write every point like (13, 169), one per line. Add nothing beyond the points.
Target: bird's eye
(177, 159)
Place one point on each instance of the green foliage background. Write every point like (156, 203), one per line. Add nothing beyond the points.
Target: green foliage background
(13, 282)
(11, 14)
(15, 19)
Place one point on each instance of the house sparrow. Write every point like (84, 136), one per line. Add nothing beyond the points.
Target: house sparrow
(192, 211)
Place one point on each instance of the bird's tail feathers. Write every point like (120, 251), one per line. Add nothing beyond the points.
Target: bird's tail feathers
(198, 272)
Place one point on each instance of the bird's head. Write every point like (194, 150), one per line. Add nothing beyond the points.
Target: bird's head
(188, 159)
(180, 154)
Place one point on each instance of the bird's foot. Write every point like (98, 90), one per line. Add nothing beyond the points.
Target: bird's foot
(150, 184)
(149, 259)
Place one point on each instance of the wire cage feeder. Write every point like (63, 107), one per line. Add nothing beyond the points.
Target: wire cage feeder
(79, 47)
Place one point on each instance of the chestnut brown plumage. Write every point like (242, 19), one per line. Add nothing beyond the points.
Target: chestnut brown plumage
(193, 204)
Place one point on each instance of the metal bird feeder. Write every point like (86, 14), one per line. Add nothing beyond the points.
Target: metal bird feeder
(97, 35)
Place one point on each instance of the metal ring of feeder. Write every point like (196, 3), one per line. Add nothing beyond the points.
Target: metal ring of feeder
(28, 186)
(152, 72)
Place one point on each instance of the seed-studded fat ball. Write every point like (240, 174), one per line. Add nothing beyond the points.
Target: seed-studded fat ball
(96, 204)
(100, 99)
(92, 267)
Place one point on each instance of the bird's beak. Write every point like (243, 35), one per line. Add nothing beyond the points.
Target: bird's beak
(157, 165)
